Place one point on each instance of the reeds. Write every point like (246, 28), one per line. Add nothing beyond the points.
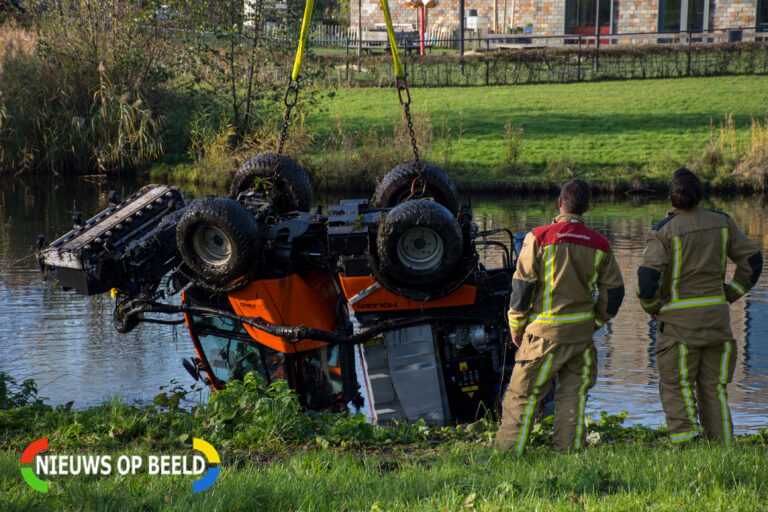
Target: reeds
(72, 90)
(353, 160)
(737, 157)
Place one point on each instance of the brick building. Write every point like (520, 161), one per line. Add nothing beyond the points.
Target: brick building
(551, 17)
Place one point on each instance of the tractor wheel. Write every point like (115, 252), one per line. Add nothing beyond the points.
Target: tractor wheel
(419, 247)
(291, 190)
(218, 239)
(397, 185)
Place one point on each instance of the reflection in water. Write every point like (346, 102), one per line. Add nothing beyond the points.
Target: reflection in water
(67, 342)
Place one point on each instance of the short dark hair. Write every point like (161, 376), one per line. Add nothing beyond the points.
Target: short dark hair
(685, 189)
(575, 195)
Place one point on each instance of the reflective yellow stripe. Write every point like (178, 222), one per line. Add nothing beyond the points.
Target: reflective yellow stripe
(548, 280)
(583, 396)
(599, 322)
(724, 257)
(598, 258)
(516, 322)
(737, 287)
(675, 267)
(562, 319)
(694, 303)
(722, 382)
(725, 235)
(543, 372)
(650, 303)
(686, 387)
(677, 438)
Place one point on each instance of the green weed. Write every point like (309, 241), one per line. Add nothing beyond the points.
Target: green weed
(13, 394)
(513, 139)
(276, 457)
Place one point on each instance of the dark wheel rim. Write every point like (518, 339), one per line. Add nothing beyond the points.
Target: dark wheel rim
(420, 249)
(212, 245)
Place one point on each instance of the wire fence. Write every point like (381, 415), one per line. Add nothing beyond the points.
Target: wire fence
(545, 65)
(440, 36)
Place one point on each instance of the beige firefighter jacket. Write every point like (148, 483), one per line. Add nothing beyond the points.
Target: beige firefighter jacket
(682, 278)
(567, 283)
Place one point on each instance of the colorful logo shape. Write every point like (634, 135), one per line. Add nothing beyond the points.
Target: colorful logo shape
(34, 448)
(213, 458)
(28, 471)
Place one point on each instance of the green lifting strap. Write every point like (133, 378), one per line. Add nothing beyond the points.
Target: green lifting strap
(302, 39)
(399, 72)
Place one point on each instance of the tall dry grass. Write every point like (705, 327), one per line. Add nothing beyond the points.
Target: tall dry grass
(737, 157)
(72, 89)
(353, 160)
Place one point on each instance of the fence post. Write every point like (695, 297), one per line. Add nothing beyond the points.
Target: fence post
(690, 42)
(597, 56)
(578, 63)
(405, 56)
(597, 37)
(346, 58)
(487, 53)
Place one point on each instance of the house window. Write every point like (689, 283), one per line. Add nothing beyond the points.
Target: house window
(762, 15)
(580, 16)
(683, 15)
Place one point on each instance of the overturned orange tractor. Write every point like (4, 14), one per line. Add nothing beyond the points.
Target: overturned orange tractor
(378, 305)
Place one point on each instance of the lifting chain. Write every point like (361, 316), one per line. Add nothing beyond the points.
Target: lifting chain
(402, 85)
(291, 96)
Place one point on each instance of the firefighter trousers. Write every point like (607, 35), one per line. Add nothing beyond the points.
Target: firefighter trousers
(693, 382)
(536, 363)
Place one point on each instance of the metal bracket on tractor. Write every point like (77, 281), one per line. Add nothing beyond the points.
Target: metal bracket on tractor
(130, 245)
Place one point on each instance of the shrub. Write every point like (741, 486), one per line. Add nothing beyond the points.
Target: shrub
(13, 394)
(73, 90)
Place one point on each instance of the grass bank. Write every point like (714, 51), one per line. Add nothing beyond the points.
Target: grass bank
(459, 476)
(619, 135)
(275, 457)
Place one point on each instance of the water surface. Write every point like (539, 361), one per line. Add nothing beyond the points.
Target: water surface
(68, 345)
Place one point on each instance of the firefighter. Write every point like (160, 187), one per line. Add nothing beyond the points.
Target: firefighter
(566, 286)
(682, 284)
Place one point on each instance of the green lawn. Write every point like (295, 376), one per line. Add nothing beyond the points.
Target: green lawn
(621, 129)
(457, 476)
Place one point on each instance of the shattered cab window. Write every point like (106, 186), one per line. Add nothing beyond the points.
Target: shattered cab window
(319, 373)
(225, 345)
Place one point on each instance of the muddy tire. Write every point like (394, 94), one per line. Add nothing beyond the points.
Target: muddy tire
(419, 246)
(395, 188)
(292, 189)
(218, 239)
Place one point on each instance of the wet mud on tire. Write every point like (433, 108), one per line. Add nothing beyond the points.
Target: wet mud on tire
(419, 246)
(395, 187)
(292, 188)
(218, 239)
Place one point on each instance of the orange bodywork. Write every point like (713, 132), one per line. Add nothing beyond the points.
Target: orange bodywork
(307, 300)
(383, 300)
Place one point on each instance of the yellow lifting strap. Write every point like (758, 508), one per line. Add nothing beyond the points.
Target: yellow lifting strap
(302, 39)
(399, 72)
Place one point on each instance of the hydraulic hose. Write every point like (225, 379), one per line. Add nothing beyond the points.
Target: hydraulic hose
(130, 315)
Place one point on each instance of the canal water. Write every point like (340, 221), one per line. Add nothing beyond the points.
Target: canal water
(68, 345)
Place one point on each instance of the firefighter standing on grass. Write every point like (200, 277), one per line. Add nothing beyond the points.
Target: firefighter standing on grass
(682, 283)
(553, 315)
